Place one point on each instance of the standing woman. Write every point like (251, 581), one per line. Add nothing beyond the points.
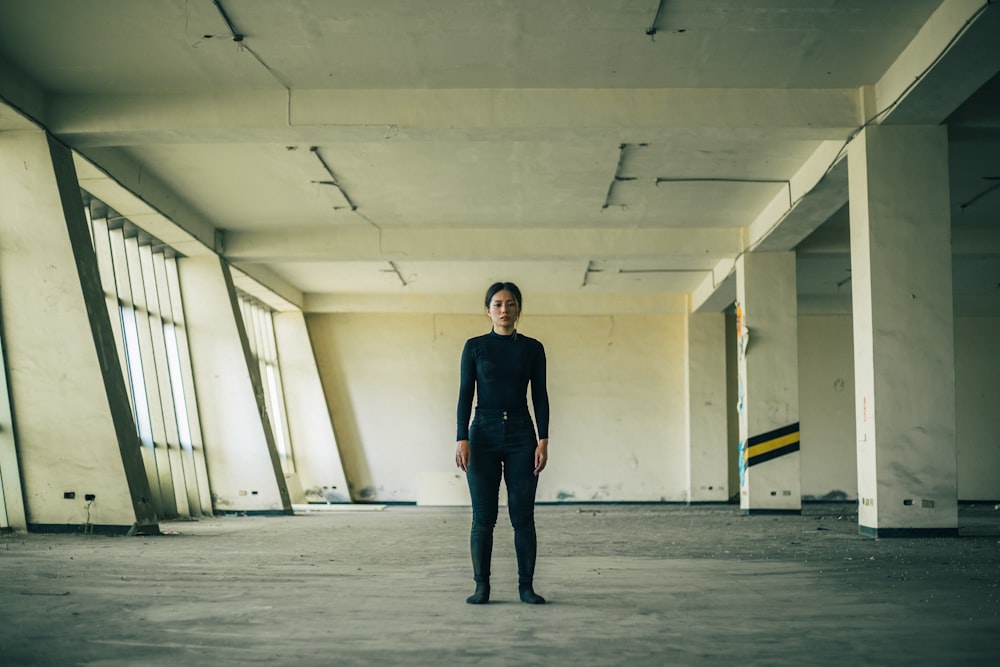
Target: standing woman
(501, 442)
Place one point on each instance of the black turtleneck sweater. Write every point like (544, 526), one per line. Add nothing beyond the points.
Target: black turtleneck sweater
(497, 369)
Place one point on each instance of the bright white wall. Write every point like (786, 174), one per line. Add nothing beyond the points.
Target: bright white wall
(826, 386)
(616, 388)
(318, 472)
(826, 408)
(977, 397)
(617, 395)
(708, 409)
(66, 435)
(242, 468)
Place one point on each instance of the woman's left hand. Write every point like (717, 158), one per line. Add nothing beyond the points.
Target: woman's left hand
(541, 455)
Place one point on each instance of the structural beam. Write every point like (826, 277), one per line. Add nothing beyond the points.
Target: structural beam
(317, 116)
(77, 445)
(948, 70)
(579, 303)
(366, 244)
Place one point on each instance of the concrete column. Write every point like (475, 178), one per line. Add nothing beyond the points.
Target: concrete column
(318, 468)
(768, 400)
(904, 349)
(80, 462)
(12, 515)
(242, 459)
(705, 381)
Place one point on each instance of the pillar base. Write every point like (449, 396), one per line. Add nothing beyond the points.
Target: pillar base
(239, 512)
(92, 529)
(907, 532)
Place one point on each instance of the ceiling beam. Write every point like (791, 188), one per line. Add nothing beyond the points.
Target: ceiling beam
(22, 95)
(706, 246)
(271, 289)
(817, 191)
(954, 54)
(582, 303)
(317, 116)
(125, 187)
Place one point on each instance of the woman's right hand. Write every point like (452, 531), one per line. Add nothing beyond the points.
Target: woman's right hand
(462, 455)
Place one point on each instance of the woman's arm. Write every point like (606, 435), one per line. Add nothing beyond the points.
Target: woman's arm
(462, 455)
(541, 455)
(466, 391)
(540, 394)
(540, 402)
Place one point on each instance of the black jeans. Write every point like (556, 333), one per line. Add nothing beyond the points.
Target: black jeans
(502, 444)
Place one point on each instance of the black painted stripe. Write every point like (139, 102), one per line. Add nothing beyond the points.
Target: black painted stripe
(771, 435)
(773, 444)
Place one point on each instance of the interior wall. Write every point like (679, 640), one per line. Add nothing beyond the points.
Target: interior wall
(617, 397)
(826, 384)
(319, 475)
(826, 408)
(707, 408)
(977, 397)
(242, 467)
(616, 389)
(71, 465)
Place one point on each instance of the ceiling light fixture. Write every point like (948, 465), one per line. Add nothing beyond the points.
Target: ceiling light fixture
(788, 184)
(239, 37)
(590, 269)
(651, 30)
(334, 182)
(983, 193)
(623, 149)
(343, 193)
(395, 269)
(664, 270)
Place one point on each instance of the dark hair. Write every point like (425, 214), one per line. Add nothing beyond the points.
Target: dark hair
(499, 287)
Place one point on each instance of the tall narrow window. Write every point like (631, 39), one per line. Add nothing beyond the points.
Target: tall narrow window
(139, 277)
(259, 323)
(177, 386)
(137, 382)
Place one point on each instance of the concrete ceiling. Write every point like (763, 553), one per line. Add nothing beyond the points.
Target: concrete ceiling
(609, 156)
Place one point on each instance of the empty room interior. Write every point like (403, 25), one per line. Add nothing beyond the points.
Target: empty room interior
(243, 242)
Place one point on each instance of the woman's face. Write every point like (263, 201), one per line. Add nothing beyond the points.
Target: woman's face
(503, 312)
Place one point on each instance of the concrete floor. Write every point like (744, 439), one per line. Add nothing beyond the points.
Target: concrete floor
(627, 585)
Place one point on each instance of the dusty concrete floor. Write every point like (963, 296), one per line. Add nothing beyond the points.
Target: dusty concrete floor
(627, 584)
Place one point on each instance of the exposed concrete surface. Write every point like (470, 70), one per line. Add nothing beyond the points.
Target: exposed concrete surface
(627, 585)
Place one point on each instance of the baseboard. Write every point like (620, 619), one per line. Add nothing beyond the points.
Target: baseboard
(879, 533)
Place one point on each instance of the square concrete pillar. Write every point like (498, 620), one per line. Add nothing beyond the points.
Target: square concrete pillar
(78, 448)
(904, 349)
(241, 455)
(768, 396)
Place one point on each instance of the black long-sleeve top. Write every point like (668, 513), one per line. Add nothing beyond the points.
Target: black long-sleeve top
(498, 369)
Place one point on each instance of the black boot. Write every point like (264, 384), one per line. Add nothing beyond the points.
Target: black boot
(481, 546)
(526, 547)
(528, 594)
(482, 594)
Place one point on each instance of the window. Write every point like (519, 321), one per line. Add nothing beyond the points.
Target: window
(142, 292)
(259, 323)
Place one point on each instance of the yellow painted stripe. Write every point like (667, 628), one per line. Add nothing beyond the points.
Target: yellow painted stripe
(771, 445)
